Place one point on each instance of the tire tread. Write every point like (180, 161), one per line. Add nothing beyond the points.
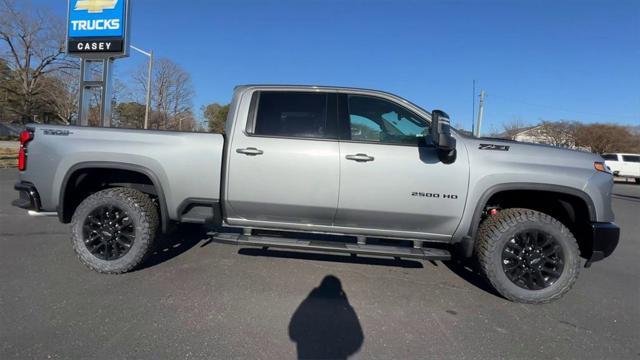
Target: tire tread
(149, 225)
(494, 227)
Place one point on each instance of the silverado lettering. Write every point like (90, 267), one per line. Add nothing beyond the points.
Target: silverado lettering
(56, 132)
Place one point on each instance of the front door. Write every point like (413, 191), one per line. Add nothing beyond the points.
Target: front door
(284, 165)
(389, 178)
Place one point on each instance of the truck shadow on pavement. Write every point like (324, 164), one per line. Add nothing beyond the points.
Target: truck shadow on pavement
(465, 268)
(468, 270)
(325, 325)
(331, 258)
(185, 237)
(173, 244)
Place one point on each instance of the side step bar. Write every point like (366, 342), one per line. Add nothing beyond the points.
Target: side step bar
(330, 246)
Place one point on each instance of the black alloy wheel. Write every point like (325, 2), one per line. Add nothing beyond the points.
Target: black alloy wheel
(527, 256)
(108, 232)
(533, 259)
(113, 230)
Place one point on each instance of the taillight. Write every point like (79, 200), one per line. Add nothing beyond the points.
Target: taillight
(25, 137)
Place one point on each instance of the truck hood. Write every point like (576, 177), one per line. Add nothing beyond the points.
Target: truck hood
(545, 157)
(532, 149)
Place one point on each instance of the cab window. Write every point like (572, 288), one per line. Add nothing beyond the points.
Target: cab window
(376, 120)
(295, 114)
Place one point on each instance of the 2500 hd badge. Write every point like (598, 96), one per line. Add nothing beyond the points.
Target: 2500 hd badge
(434, 195)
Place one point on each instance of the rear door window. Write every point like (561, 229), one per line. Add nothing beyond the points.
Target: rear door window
(631, 158)
(295, 114)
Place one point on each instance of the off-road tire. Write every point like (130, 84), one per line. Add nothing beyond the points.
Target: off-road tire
(145, 219)
(637, 180)
(497, 230)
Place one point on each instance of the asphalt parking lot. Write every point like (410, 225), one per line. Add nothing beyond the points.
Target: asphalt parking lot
(196, 299)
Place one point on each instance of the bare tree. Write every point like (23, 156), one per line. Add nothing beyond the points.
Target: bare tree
(5, 76)
(512, 128)
(172, 95)
(603, 138)
(61, 90)
(33, 47)
(558, 133)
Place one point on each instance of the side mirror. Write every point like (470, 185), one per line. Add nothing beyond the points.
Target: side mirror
(444, 143)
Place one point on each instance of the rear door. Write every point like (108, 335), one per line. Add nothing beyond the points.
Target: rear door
(631, 165)
(390, 179)
(284, 164)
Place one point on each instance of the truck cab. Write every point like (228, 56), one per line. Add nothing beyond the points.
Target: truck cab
(337, 160)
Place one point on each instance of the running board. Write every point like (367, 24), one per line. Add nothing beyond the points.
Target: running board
(422, 253)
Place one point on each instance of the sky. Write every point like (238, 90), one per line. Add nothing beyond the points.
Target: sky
(536, 60)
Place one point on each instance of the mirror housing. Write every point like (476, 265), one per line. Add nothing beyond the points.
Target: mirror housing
(441, 138)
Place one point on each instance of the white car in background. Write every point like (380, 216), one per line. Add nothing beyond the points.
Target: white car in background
(624, 165)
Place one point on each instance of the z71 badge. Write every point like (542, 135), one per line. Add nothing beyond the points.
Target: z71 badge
(493, 147)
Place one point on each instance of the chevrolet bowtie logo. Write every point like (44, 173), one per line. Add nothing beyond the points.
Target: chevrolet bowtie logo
(96, 6)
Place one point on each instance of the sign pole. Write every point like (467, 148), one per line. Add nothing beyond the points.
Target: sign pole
(106, 92)
(83, 104)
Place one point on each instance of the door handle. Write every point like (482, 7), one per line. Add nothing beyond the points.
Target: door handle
(360, 157)
(251, 151)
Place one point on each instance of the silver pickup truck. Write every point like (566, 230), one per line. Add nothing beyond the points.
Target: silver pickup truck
(388, 177)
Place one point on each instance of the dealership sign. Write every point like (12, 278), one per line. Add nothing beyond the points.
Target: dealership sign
(98, 28)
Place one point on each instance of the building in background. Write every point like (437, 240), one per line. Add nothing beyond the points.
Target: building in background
(548, 133)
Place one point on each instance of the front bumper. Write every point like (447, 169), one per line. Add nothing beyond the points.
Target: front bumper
(604, 239)
(29, 198)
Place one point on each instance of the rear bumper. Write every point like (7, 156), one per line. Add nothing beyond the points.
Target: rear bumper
(28, 197)
(604, 240)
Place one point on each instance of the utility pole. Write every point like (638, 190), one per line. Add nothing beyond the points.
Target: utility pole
(473, 112)
(478, 128)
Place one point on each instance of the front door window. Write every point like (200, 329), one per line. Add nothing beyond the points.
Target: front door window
(377, 120)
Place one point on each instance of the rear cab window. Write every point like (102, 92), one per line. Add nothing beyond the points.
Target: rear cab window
(292, 114)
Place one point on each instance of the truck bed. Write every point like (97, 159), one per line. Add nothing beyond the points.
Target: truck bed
(186, 165)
